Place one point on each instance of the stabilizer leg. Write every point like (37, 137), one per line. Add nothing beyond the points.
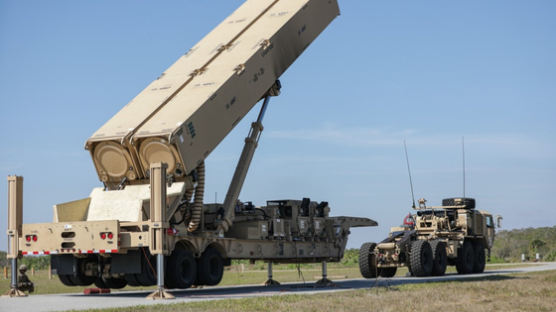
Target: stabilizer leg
(158, 232)
(270, 281)
(160, 293)
(324, 281)
(15, 213)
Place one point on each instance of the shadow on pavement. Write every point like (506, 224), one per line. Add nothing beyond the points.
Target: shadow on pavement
(241, 291)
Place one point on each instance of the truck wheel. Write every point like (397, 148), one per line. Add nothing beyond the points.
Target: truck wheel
(440, 258)
(147, 277)
(182, 269)
(421, 258)
(81, 280)
(65, 279)
(114, 283)
(480, 259)
(468, 202)
(388, 272)
(466, 259)
(367, 260)
(100, 283)
(132, 280)
(210, 268)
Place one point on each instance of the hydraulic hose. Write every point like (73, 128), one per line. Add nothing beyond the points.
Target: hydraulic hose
(185, 203)
(197, 209)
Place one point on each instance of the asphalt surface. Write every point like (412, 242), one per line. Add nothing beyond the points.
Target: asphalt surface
(78, 301)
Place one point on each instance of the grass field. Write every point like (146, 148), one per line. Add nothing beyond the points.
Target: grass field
(251, 274)
(517, 292)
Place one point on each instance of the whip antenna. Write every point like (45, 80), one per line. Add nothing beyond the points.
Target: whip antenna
(409, 172)
(463, 161)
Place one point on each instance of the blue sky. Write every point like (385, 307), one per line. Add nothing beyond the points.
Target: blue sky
(429, 72)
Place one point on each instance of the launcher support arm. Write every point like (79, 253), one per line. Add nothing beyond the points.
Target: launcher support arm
(251, 143)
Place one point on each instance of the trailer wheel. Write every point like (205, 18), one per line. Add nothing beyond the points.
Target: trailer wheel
(76, 278)
(65, 279)
(466, 258)
(367, 260)
(147, 277)
(440, 258)
(480, 258)
(114, 283)
(132, 280)
(182, 269)
(210, 267)
(81, 280)
(421, 258)
(388, 272)
(100, 283)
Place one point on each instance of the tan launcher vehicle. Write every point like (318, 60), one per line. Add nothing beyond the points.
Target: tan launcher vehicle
(150, 158)
(432, 238)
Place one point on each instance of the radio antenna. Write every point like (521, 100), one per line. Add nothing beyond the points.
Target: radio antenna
(409, 172)
(463, 161)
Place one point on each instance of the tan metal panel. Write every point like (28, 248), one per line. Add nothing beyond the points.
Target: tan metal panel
(70, 235)
(218, 38)
(72, 211)
(158, 93)
(15, 203)
(15, 214)
(207, 109)
(126, 204)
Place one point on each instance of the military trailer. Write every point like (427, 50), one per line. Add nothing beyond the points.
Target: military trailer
(432, 238)
(149, 216)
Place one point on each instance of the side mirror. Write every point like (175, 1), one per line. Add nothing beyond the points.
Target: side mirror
(499, 221)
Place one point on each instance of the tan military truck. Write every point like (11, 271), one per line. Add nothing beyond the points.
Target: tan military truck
(432, 238)
(149, 217)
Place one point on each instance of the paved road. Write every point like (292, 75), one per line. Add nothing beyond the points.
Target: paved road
(60, 302)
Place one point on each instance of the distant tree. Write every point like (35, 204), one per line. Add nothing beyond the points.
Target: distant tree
(39, 263)
(536, 244)
(3, 260)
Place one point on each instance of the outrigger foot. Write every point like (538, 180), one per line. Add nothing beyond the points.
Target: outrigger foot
(14, 292)
(271, 282)
(160, 294)
(325, 282)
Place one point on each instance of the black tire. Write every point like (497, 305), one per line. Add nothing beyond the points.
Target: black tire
(480, 257)
(114, 283)
(77, 278)
(210, 268)
(421, 258)
(132, 280)
(466, 258)
(367, 261)
(99, 282)
(388, 272)
(66, 280)
(440, 258)
(182, 269)
(147, 277)
(81, 280)
(467, 201)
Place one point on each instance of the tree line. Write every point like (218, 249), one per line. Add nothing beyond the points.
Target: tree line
(510, 245)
